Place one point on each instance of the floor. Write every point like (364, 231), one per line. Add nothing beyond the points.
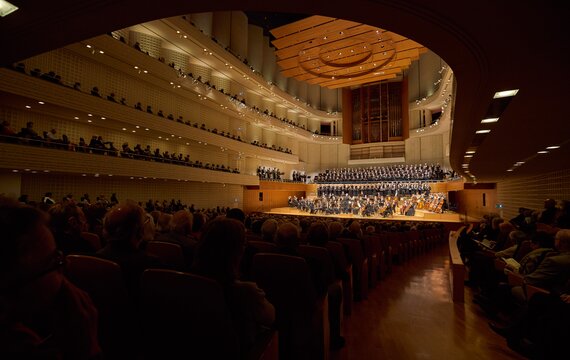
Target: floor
(410, 315)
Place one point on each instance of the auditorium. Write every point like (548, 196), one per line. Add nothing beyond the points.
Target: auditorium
(285, 180)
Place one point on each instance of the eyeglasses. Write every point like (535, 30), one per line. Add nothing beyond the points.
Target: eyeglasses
(56, 261)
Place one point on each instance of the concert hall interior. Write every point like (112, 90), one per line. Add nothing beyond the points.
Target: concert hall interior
(419, 118)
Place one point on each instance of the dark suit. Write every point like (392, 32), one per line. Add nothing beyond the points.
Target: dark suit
(552, 274)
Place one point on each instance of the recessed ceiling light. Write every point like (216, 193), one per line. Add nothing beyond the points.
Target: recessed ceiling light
(146, 129)
(489, 120)
(470, 152)
(15, 170)
(464, 165)
(552, 147)
(76, 117)
(101, 52)
(484, 131)
(124, 129)
(41, 102)
(134, 131)
(542, 152)
(468, 156)
(89, 121)
(138, 127)
(102, 118)
(28, 107)
(505, 93)
(6, 8)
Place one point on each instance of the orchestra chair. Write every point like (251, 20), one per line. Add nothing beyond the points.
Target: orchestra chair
(103, 281)
(336, 250)
(301, 316)
(92, 239)
(360, 267)
(185, 316)
(169, 254)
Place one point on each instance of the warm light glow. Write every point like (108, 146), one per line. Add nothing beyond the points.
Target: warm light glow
(470, 152)
(489, 120)
(542, 152)
(553, 147)
(505, 93)
(485, 131)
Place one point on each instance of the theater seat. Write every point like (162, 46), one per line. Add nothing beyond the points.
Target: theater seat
(359, 267)
(301, 317)
(345, 269)
(261, 246)
(103, 281)
(185, 316)
(169, 254)
(92, 239)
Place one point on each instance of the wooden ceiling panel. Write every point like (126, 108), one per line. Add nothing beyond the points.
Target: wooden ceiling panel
(331, 52)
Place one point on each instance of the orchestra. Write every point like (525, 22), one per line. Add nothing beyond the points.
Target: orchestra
(365, 205)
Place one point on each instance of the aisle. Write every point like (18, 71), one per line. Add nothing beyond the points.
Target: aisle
(409, 315)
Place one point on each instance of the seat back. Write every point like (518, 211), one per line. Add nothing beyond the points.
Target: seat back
(92, 239)
(287, 283)
(169, 254)
(185, 316)
(360, 267)
(323, 258)
(344, 272)
(261, 246)
(103, 281)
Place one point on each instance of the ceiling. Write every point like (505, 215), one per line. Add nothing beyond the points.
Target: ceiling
(336, 53)
(490, 45)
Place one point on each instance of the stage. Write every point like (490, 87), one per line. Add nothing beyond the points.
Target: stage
(421, 215)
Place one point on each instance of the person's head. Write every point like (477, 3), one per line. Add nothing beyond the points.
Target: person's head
(181, 222)
(198, 221)
(30, 275)
(562, 240)
(335, 229)
(517, 236)
(317, 234)
(219, 251)
(549, 204)
(237, 214)
(268, 230)
(163, 222)
(287, 236)
(354, 228)
(67, 218)
(505, 228)
(124, 224)
(496, 221)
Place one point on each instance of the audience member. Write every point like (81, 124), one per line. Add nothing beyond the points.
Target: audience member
(67, 222)
(123, 230)
(42, 315)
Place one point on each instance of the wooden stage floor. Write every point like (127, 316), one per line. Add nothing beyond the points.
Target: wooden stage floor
(421, 215)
